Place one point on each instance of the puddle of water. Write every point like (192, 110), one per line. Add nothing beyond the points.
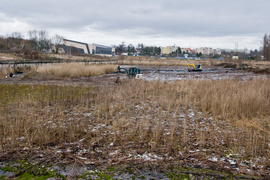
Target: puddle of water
(174, 73)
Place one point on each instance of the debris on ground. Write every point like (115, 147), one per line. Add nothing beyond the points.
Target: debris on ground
(17, 74)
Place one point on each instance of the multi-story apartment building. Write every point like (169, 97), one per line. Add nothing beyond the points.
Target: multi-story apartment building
(208, 51)
(169, 49)
(203, 50)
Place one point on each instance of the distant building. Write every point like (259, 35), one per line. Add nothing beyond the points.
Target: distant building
(75, 47)
(217, 51)
(235, 57)
(245, 51)
(188, 50)
(242, 51)
(208, 51)
(169, 49)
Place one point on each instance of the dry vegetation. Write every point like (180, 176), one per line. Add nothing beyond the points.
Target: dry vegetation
(75, 69)
(73, 57)
(165, 62)
(221, 125)
(61, 69)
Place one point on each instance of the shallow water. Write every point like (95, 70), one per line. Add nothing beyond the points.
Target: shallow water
(173, 73)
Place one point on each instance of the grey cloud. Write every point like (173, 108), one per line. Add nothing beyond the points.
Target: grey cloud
(171, 18)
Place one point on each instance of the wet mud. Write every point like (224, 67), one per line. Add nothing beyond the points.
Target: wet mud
(150, 73)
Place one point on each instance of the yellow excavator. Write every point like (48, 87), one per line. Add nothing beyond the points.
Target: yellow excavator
(192, 67)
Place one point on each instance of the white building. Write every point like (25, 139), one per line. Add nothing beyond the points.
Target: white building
(244, 51)
(217, 51)
(208, 51)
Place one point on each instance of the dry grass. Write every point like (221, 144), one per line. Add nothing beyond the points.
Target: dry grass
(73, 57)
(4, 71)
(75, 69)
(62, 69)
(184, 119)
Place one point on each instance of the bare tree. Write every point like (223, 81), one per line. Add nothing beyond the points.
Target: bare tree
(17, 39)
(57, 42)
(33, 39)
(43, 40)
(39, 40)
(3, 43)
(14, 41)
(266, 47)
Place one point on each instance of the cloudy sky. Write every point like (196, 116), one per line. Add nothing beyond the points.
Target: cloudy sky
(185, 23)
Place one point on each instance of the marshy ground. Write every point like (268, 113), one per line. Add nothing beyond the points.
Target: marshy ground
(170, 124)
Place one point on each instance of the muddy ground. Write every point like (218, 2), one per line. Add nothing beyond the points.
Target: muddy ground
(150, 73)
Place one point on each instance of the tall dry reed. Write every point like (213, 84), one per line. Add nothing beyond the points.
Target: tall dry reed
(225, 116)
(76, 69)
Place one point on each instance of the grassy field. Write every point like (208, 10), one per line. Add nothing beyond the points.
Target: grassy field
(221, 124)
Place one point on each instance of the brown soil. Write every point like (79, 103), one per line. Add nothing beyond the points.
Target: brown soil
(261, 71)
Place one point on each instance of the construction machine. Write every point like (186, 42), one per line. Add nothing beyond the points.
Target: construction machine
(131, 72)
(192, 67)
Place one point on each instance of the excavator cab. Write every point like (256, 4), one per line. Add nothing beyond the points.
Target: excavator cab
(132, 72)
(198, 66)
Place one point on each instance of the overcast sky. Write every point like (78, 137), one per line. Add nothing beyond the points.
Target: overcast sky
(185, 23)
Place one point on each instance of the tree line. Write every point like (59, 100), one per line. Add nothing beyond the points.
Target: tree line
(141, 49)
(37, 40)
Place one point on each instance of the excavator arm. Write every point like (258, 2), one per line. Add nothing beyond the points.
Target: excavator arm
(192, 65)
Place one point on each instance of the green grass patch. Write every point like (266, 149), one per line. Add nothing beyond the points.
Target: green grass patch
(31, 175)
(35, 172)
(8, 169)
